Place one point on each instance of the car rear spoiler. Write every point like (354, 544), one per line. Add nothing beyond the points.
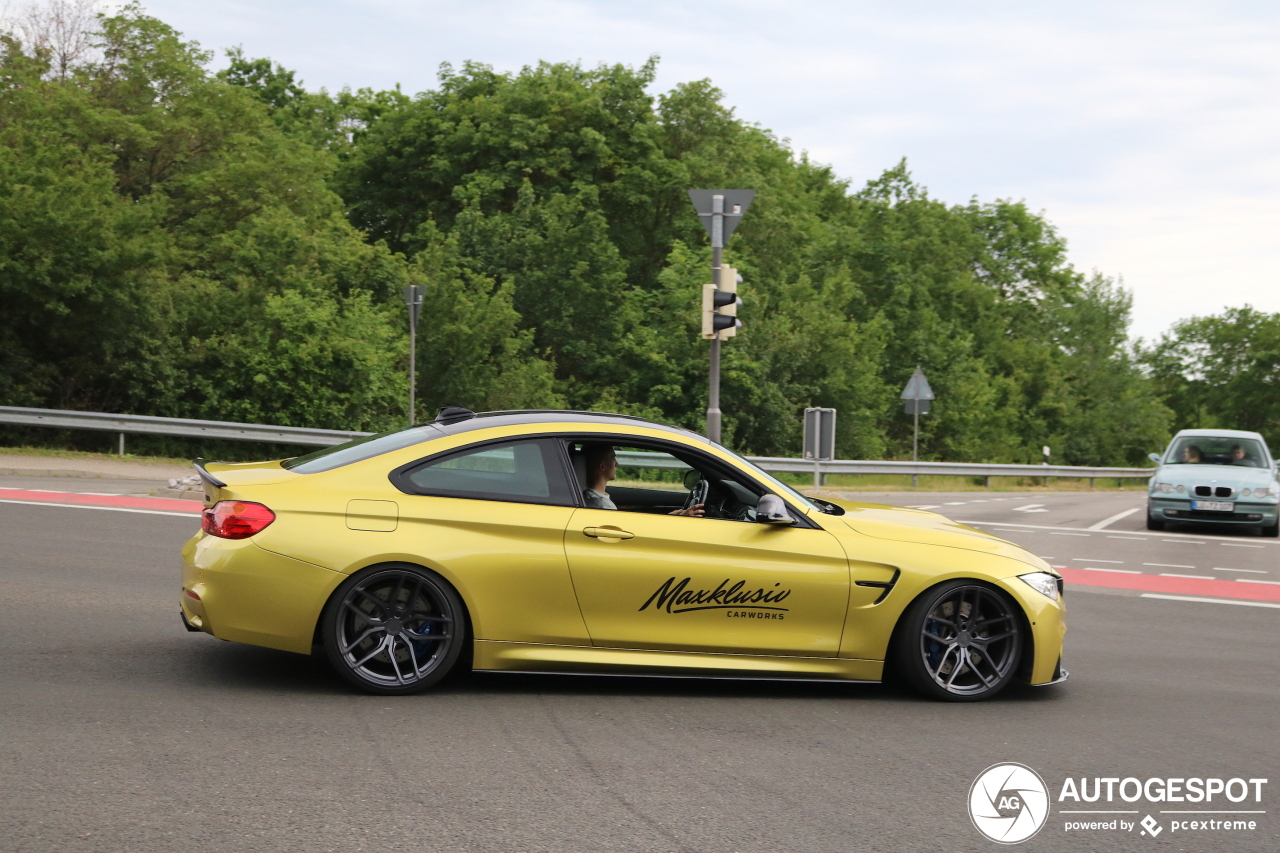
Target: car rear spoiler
(198, 462)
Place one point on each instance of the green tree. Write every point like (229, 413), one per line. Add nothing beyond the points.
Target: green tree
(1221, 370)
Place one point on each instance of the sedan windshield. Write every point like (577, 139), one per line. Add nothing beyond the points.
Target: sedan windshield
(1217, 450)
(782, 488)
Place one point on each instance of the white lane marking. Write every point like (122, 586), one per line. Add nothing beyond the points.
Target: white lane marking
(1007, 530)
(1118, 562)
(1117, 571)
(955, 503)
(1184, 542)
(1168, 566)
(1133, 533)
(1107, 522)
(1130, 538)
(1242, 545)
(1193, 577)
(100, 494)
(979, 501)
(925, 506)
(1250, 571)
(188, 515)
(1060, 533)
(1257, 580)
(1028, 508)
(1210, 600)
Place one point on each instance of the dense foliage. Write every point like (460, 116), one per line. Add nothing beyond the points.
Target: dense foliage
(232, 246)
(1221, 371)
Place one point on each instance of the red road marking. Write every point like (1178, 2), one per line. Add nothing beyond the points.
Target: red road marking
(1181, 586)
(168, 504)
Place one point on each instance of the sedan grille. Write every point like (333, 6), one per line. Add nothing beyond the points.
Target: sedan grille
(1222, 492)
(1203, 491)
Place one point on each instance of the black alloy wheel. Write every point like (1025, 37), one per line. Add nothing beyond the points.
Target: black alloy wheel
(394, 629)
(960, 642)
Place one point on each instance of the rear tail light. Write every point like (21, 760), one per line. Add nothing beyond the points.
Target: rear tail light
(236, 519)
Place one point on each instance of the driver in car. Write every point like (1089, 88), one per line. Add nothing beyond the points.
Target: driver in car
(601, 467)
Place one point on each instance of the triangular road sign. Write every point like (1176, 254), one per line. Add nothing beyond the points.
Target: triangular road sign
(917, 387)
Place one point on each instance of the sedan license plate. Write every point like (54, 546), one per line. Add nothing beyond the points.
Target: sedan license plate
(1214, 506)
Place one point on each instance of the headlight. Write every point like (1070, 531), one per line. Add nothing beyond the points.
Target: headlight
(1043, 583)
(1259, 493)
(1164, 487)
(1244, 493)
(1181, 488)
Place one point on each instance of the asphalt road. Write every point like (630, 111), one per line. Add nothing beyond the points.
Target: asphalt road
(121, 731)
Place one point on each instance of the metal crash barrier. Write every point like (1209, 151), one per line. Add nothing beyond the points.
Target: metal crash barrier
(184, 427)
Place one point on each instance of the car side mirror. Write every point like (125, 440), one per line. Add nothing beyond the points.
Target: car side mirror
(1154, 457)
(771, 510)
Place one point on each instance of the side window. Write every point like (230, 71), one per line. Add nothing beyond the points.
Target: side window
(524, 471)
(652, 479)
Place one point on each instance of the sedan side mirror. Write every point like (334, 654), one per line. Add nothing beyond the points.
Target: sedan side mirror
(1154, 457)
(771, 510)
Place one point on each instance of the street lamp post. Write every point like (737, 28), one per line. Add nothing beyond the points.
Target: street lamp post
(413, 294)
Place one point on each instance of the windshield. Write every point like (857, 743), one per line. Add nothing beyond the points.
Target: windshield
(782, 488)
(359, 449)
(1217, 450)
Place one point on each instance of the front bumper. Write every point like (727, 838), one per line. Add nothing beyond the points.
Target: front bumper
(1047, 619)
(1246, 513)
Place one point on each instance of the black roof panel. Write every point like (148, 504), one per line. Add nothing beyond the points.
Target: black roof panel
(519, 417)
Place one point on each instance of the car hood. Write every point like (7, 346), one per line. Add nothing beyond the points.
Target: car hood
(914, 525)
(1238, 476)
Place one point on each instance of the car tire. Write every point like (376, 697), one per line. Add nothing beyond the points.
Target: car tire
(961, 641)
(394, 629)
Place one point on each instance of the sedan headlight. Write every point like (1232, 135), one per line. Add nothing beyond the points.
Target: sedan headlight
(1181, 488)
(1163, 487)
(1043, 583)
(1244, 493)
(1260, 493)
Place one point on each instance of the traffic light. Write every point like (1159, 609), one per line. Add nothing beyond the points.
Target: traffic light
(720, 306)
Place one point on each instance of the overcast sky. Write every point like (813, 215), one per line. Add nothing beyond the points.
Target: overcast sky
(1147, 132)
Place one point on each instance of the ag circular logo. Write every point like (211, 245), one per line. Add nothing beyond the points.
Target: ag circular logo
(1008, 803)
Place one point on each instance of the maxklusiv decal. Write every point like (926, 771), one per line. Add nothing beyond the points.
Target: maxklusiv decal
(676, 597)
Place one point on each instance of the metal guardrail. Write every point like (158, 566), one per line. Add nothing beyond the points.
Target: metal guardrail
(951, 469)
(148, 425)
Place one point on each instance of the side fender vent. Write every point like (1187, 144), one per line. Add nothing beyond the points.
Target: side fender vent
(887, 586)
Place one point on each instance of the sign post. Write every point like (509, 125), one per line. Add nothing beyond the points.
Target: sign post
(720, 212)
(819, 439)
(918, 395)
(413, 294)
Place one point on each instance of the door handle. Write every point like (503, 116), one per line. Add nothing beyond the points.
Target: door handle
(607, 533)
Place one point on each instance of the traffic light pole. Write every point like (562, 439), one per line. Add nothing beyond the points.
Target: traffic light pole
(720, 212)
(713, 397)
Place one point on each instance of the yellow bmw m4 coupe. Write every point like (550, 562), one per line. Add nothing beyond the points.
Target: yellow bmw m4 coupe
(556, 541)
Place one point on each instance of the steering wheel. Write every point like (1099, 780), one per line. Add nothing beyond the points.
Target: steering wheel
(698, 494)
